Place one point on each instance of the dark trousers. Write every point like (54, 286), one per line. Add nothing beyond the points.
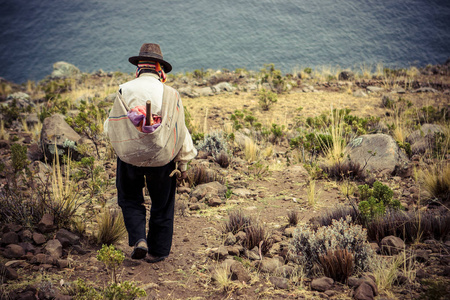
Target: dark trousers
(130, 182)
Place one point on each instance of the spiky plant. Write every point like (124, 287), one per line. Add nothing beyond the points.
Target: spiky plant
(111, 227)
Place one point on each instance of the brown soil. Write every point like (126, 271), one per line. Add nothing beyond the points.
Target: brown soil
(187, 273)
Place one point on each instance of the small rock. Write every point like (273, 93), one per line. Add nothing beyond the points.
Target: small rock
(46, 224)
(269, 265)
(10, 238)
(374, 89)
(239, 273)
(219, 253)
(54, 248)
(364, 292)
(289, 232)
(252, 255)
(322, 284)
(38, 238)
(213, 202)
(62, 263)
(26, 235)
(42, 258)
(13, 251)
(194, 206)
(359, 94)
(421, 255)
(72, 238)
(392, 245)
(233, 251)
(279, 282)
(7, 273)
(240, 236)
(230, 240)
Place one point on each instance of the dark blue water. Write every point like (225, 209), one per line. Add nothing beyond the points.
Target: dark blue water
(194, 34)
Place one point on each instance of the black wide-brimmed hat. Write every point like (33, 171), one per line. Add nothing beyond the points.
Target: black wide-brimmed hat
(151, 52)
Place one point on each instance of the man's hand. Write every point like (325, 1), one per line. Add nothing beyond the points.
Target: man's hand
(183, 176)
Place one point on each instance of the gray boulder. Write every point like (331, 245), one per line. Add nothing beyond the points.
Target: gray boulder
(392, 245)
(322, 284)
(222, 87)
(213, 188)
(423, 138)
(57, 133)
(377, 152)
(63, 69)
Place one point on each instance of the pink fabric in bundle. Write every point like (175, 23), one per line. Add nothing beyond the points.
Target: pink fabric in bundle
(137, 116)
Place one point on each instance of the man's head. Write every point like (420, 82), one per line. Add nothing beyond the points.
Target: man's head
(151, 52)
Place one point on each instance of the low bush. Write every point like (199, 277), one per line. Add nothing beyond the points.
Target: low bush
(410, 226)
(310, 244)
(111, 227)
(345, 170)
(375, 200)
(237, 221)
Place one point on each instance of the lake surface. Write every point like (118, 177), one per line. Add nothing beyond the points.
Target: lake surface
(212, 34)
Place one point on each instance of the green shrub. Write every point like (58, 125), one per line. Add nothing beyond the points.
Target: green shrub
(266, 98)
(375, 200)
(112, 259)
(310, 244)
(19, 157)
(124, 291)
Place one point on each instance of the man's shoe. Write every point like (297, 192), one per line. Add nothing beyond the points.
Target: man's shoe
(140, 249)
(151, 259)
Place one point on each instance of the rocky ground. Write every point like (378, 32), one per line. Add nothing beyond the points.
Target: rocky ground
(43, 261)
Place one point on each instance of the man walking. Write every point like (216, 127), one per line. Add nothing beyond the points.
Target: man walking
(147, 169)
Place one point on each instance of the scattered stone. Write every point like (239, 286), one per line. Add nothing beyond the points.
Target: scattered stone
(289, 232)
(421, 255)
(230, 239)
(374, 89)
(219, 253)
(244, 193)
(54, 248)
(252, 255)
(233, 251)
(425, 90)
(359, 94)
(7, 273)
(392, 245)
(62, 263)
(280, 283)
(240, 236)
(10, 238)
(375, 247)
(364, 292)
(27, 247)
(72, 238)
(239, 273)
(213, 188)
(322, 284)
(38, 238)
(46, 224)
(194, 206)
(269, 265)
(214, 202)
(26, 235)
(42, 258)
(423, 138)
(13, 251)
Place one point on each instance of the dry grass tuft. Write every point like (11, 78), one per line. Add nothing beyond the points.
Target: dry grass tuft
(337, 264)
(111, 227)
(293, 217)
(237, 221)
(436, 181)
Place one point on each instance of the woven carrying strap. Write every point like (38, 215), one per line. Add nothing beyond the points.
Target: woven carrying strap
(154, 149)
